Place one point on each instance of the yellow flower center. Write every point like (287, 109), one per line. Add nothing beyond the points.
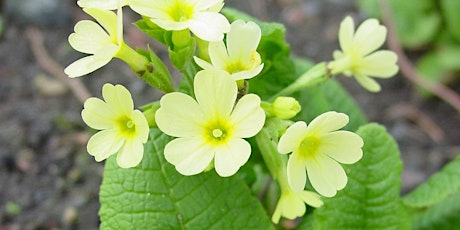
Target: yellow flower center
(181, 11)
(126, 126)
(235, 67)
(309, 146)
(217, 132)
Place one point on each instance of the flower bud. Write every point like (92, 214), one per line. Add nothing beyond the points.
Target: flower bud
(285, 107)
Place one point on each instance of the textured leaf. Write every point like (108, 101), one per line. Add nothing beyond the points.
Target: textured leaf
(437, 187)
(371, 198)
(154, 196)
(443, 215)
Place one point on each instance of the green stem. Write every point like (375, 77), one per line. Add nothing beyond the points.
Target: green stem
(314, 76)
(136, 61)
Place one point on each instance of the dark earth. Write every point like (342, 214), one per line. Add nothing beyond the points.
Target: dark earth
(47, 179)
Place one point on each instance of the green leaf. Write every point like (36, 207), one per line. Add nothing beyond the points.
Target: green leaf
(437, 187)
(450, 9)
(443, 215)
(154, 196)
(371, 198)
(417, 21)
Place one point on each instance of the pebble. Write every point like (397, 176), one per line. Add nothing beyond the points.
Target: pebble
(49, 86)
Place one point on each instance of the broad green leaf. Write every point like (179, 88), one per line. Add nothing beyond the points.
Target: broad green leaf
(437, 187)
(450, 9)
(443, 215)
(154, 196)
(417, 21)
(371, 198)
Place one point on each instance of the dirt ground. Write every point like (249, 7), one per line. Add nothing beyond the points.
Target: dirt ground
(48, 181)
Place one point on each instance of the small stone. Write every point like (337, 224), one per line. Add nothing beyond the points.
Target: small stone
(70, 215)
(48, 86)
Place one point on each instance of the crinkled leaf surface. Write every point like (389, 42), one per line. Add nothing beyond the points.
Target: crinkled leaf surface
(371, 198)
(442, 215)
(154, 196)
(437, 187)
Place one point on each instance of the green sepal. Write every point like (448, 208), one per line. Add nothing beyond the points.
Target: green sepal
(157, 74)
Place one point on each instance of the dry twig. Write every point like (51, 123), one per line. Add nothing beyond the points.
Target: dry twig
(51, 66)
(408, 69)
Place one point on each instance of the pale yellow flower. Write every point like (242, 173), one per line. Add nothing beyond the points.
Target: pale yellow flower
(102, 4)
(211, 127)
(319, 148)
(239, 58)
(123, 129)
(202, 17)
(358, 58)
(103, 41)
(292, 205)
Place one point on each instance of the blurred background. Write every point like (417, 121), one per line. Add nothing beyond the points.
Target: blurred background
(47, 179)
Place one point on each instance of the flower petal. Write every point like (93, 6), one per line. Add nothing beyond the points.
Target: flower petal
(172, 119)
(88, 37)
(218, 54)
(190, 155)
(130, 154)
(379, 64)
(243, 38)
(248, 74)
(104, 143)
(107, 19)
(327, 122)
(118, 98)
(368, 83)
(97, 114)
(142, 126)
(209, 26)
(346, 31)
(206, 4)
(215, 91)
(369, 36)
(326, 175)
(296, 173)
(230, 157)
(247, 117)
(202, 63)
(103, 5)
(91, 63)
(291, 139)
(342, 146)
(311, 198)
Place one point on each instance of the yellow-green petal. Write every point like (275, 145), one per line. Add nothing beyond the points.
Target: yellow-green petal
(318, 179)
(179, 115)
(379, 64)
(342, 146)
(311, 198)
(97, 114)
(88, 37)
(369, 36)
(368, 83)
(247, 117)
(209, 26)
(130, 154)
(104, 143)
(291, 139)
(189, 155)
(231, 156)
(346, 32)
(243, 38)
(118, 98)
(142, 126)
(296, 173)
(107, 19)
(215, 91)
(327, 122)
(218, 54)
